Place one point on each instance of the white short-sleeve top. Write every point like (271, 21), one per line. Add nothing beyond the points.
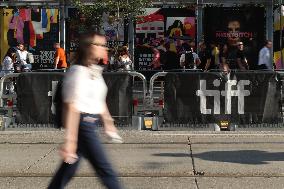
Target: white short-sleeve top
(86, 88)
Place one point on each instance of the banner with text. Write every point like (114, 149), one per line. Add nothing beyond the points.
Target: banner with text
(212, 97)
(35, 92)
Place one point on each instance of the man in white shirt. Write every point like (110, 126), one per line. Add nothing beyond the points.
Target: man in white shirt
(22, 54)
(265, 58)
(188, 50)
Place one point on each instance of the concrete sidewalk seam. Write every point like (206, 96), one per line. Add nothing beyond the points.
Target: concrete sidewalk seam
(44, 156)
(195, 173)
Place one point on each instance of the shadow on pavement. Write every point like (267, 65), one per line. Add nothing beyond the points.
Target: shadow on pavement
(252, 157)
(172, 155)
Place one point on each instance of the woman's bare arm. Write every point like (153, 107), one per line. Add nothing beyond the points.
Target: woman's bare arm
(71, 124)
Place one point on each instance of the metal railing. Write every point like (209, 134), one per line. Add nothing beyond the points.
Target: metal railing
(11, 111)
(2, 81)
(156, 87)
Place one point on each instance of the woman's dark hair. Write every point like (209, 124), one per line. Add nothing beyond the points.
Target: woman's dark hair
(85, 41)
(266, 42)
(11, 53)
(124, 51)
(186, 47)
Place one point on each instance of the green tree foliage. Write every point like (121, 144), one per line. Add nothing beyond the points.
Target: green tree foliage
(119, 9)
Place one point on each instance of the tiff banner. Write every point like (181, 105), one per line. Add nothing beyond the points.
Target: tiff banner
(212, 97)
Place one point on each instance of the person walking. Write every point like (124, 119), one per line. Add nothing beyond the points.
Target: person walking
(204, 57)
(60, 57)
(242, 62)
(8, 62)
(124, 60)
(265, 57)
(84, 97)
(188, 59)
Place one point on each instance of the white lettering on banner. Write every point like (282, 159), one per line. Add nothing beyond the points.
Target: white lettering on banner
(52, 94)
(228, 93)
(47, 57)
(144, 60)
(36, 59)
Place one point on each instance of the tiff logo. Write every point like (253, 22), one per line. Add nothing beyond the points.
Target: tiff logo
(228, 93)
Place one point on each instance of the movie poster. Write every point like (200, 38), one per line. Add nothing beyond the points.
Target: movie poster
(278, 42)
(38, 29)
(149, 30)
(180, 27)
(172, 26)
(230, 25)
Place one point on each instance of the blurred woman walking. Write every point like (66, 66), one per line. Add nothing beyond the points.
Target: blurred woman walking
(84, 97)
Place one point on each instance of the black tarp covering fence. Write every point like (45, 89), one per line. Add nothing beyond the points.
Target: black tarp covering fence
(35, 91)
(242, 97)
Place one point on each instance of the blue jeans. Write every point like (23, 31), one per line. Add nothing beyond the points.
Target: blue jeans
(89, 147)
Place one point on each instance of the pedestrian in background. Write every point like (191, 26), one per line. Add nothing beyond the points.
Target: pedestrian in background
(265, 57)
(84, 97)
(189, 59)
(224, 57)
(242, 62)
(22, 54)
(204, 56)
(124, 60)
(8, 62)
(156, 63)
(59, 57)
(171, 58)
(215, 56)
(8, 67)
(22, 58)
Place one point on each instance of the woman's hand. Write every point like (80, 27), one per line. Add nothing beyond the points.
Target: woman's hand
(110, 129)
(68, 152)
(109, 125)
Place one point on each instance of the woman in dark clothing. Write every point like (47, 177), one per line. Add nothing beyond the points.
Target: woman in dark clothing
(224, 56)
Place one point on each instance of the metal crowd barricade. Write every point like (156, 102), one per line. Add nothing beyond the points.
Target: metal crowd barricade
(156, 94)
(7, 100)
(9, 109)
(281, 73)
(139, 92)
(144, 83)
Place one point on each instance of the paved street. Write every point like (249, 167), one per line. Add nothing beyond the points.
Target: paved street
(153, 160)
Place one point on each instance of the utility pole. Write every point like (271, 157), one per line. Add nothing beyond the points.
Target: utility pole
(281, 34)
(62, 29)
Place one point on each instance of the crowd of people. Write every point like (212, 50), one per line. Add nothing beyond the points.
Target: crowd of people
(209, 57)
(186, 56)
(17, 59)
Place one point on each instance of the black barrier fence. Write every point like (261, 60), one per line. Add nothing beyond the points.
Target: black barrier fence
(191, 100)
(241, 98)
(35, 92)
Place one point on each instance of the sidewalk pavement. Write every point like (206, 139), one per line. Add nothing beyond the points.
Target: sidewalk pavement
(152, 160)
